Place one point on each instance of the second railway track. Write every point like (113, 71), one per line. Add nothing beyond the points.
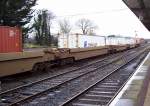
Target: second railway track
(28, 92)
(103, 91)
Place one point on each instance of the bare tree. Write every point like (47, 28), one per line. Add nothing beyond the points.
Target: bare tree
(86, 25)
(65, 26)
(50, 18)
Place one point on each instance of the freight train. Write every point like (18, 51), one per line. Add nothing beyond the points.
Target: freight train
(18, 62)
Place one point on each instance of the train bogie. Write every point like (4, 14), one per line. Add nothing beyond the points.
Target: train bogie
(121, 48)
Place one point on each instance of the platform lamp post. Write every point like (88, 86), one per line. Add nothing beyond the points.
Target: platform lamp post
(58, 37)
(67, 40)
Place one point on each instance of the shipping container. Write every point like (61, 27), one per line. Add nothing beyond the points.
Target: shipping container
(119, 40)
(80, 41)
(10, 39)
(139, 40)
(83, 41)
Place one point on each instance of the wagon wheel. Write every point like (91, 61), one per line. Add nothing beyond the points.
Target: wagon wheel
(38, 67)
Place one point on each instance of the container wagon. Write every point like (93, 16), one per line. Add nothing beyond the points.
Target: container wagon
(13, 63)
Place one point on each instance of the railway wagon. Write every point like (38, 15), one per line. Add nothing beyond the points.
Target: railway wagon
(120, 43)
(132, 46)
(74, 53)
(13, 63)
(19, 62)
(66, 55)
(81, 53)
(118, 48)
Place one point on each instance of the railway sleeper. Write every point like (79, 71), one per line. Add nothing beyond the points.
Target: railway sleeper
(93, 102)
(101, 93)
(96, 97)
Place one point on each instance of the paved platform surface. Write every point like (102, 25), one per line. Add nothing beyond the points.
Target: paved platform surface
(136, 92)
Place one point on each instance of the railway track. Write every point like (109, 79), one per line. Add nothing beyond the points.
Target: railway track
(10, 96)
(103, 91)
(27, 92)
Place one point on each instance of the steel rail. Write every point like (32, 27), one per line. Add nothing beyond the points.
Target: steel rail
(123, 85)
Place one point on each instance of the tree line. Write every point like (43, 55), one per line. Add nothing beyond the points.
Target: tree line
(38, 22)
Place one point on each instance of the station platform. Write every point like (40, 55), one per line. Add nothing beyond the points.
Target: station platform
(136, 91)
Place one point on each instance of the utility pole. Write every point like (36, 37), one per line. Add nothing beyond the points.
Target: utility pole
(136, 36)
(77, 40)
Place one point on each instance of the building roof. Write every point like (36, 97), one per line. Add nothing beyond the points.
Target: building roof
(141, 8)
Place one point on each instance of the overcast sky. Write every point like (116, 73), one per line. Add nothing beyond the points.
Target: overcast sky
(111, 16)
